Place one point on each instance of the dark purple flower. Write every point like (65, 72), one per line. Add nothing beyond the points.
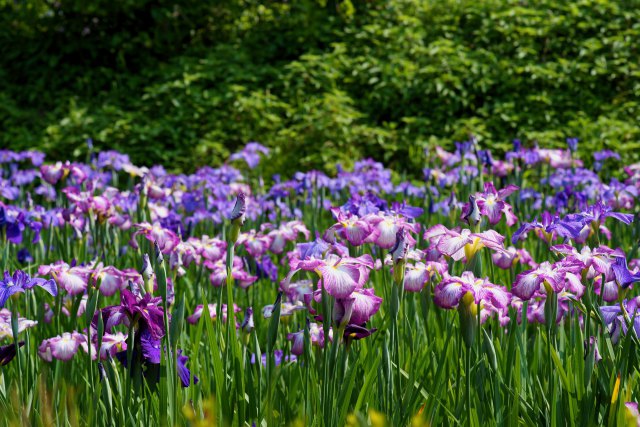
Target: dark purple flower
(569, 227)
(517, 145)
(599, 211)
(485, 157)
(8, 352)
(15, 223)
(355, 332)
(143, 312)
(24, 256)
(20, 282)
(183, 372)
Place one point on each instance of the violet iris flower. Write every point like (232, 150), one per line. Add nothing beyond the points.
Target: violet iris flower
(617, 321)
(601, 156)
(13, 226)
(624, 278)
(315, 249)
(24, 256)
(599, 211)
(21, 282)
(568, 227)
(251, 154)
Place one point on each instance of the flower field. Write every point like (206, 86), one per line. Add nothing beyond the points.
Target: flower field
(494, 290)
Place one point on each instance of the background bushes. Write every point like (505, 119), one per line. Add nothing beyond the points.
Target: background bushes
(321, 82)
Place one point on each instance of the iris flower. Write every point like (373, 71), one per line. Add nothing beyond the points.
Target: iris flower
(624, 278)
(349, 227)
(463, 244)
(8, 352)
(251, 154)
(63, 347)
(15, 222)
(167, 239)
(492, 205)
(73, 279)
(143, 312)
(197, 314)
(21, 282)
(450, 291)
(341, 276)
(617, 320)
(558, 276)
(6, 330)
(550, 227)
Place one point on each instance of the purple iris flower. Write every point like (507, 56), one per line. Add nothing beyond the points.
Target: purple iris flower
(24, 256)
(364, 205)
(8, 352)
(464, 147)
(624, 277)
(315, 249)
(278, 356)
(113, 160)
(145, 311)
(266, 268)
(251, 154)
(355, 332)
(617, 321)
(568, 227)
(517, 145)
(8, 191)
(20, 282)
(485, 157)
(411, 212)
(15, 225)
(572, 143)
(599, 211)
(603, 155)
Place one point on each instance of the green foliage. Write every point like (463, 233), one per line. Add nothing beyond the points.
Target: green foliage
(321, 82)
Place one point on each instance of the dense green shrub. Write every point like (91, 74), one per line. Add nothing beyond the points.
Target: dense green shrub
(321, 82)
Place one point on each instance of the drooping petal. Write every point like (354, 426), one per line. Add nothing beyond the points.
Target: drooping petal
(526, 284)
(365, 305)
(340, 280)
(448, 294)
